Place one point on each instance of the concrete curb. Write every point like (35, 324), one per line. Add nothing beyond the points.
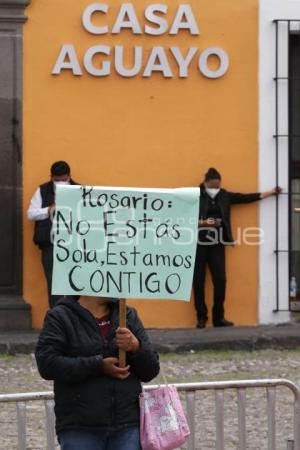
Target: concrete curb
(284, 336)
(236, 338)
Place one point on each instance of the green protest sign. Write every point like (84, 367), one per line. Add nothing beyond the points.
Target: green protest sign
(123, 242)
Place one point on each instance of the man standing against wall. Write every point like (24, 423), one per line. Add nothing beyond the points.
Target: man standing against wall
(215, 233)
(41, 210)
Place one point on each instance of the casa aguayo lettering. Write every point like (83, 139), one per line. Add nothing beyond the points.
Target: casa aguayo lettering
(125, 243)
(101, 60)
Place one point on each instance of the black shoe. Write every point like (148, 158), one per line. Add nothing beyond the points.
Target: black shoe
(223, 323)
(201, 323)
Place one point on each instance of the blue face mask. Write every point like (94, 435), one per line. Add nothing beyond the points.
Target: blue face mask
(212, 192)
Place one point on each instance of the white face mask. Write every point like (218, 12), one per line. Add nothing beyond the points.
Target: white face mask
(61, 182)
(212, 192)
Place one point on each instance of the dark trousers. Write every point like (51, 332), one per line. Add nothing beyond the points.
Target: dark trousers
(123, 439)
(47, 261)
(212, 256)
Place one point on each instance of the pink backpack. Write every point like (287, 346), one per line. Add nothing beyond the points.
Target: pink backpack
(163, 423)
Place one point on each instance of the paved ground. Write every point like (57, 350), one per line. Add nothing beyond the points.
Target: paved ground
(177, 340)
(19, 374)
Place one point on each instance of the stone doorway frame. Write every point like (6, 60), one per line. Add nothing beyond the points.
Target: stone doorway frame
(15, 313)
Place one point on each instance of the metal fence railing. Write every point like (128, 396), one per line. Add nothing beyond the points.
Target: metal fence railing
(189, 389)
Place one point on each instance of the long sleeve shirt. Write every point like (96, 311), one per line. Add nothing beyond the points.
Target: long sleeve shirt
(35, 210)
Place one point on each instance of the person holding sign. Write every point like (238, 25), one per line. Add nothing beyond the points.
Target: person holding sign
(214, 234)
(96, 400)
(41, 210)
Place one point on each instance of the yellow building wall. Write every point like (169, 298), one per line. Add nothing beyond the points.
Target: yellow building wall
(141, 132)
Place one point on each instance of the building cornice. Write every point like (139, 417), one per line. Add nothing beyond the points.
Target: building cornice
(14, 3)
(12, 11)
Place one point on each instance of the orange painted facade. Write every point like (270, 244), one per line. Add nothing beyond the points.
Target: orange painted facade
(145, 132)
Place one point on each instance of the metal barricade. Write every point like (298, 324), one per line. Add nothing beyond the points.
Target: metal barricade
(190, 389)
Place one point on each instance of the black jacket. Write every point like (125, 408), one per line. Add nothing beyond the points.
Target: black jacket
(225, 199)
(42, 228)
(70, 351)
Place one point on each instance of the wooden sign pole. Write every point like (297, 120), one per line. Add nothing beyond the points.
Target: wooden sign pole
(122, 324)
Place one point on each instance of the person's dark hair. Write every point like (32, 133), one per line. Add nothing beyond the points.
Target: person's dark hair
(212, 174)
(60, 168)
